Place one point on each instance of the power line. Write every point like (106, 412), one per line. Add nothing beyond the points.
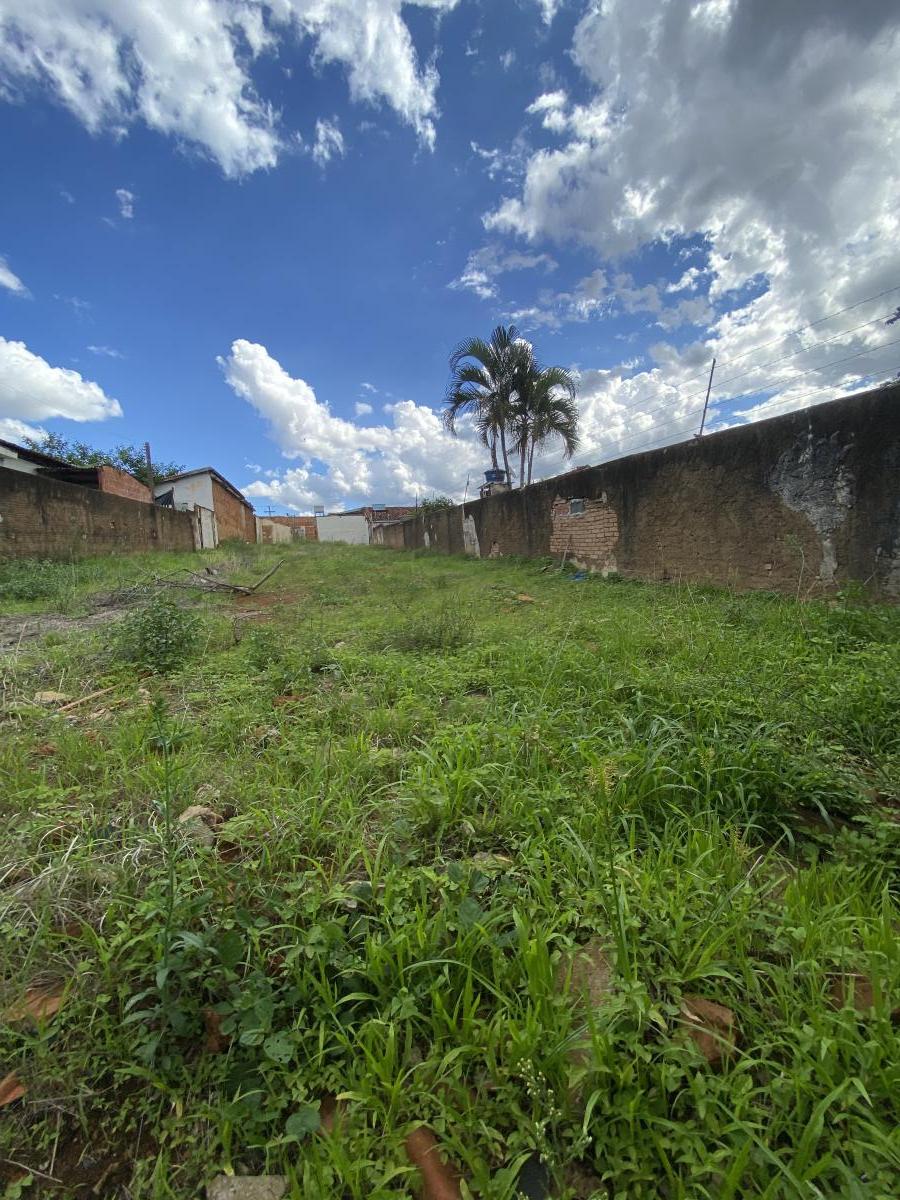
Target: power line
(649, 445)
(781, 337)
(867, 381)
(812, 324)
(764, 387)
(804, 349)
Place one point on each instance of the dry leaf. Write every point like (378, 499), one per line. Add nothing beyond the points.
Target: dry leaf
(330, 1112)
(440, 1180)
(45, 749)
(38, 1003)
(214, 1042)
(524, 598)
(10, 1089)
(710, 1026)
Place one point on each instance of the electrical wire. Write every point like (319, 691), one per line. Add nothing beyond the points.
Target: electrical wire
(650, 445)
(803, 350)
(781, 337)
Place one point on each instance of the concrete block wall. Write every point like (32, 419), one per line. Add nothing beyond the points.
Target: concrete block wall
(44, 518)
(802, 503)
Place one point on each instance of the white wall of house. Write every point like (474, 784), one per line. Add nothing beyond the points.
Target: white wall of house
(196, 489)
(351, 528)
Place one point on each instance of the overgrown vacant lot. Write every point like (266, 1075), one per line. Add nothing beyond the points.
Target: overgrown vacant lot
(423, 783)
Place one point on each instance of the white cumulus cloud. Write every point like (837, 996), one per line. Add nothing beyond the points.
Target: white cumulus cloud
(186, 69)
(340, 462)
(33, 390)
(483, 267)
(762, 145)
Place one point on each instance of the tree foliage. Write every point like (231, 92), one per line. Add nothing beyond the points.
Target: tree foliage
(435, 504)
(125, 458)
(516, 404)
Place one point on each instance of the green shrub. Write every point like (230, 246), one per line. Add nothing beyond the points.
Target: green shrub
(34, 579)
(160, 636)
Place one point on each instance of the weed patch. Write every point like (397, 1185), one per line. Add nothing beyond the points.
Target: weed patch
(161, 636)
(595, 891)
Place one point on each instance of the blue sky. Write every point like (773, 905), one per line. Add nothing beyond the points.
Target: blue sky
(252, 231)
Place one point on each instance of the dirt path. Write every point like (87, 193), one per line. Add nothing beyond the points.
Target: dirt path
(27, 626)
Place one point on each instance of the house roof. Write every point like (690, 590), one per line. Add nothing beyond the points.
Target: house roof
(229, 487)
(35, 456)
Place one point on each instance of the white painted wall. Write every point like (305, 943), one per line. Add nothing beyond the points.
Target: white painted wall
(278, 533)
(351, 528)
(196, 489)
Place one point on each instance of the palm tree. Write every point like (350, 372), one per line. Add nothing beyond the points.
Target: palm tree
(544, 410)
(482, 383)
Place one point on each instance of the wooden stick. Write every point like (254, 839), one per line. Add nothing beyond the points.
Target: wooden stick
(267, 575)
(84, 699)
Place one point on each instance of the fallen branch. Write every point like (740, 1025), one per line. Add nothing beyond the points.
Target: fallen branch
(84, 699)
(267, 575)
(206, 583)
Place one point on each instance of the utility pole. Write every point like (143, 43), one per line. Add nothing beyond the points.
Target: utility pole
(149, 462)
(706, 402)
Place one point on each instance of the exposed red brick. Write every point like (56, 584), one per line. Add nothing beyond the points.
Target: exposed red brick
(119, 483)
(235, 519)
(46, 518)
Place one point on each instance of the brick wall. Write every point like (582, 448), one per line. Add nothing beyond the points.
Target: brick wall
(799, 503)
(306, 523)
(585, 532)
(119, 483)
(234, 520)
(45, 518)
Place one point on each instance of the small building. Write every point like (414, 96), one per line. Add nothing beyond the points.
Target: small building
(223, 513)
(111, 480)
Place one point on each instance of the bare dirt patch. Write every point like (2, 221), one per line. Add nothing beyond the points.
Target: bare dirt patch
(27, 627)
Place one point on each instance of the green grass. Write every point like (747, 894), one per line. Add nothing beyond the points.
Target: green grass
(431, 791)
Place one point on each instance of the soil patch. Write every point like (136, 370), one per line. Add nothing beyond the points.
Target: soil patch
(27, 627)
